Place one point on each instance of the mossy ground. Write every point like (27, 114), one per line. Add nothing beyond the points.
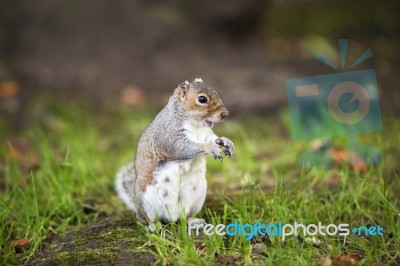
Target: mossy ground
(57, 190)
(115, 240)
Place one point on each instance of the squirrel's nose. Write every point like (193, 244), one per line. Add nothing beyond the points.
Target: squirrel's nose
(224, 113)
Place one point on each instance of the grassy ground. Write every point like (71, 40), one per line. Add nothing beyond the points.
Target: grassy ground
(58, 174)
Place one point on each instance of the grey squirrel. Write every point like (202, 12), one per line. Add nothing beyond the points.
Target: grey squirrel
(168, 175)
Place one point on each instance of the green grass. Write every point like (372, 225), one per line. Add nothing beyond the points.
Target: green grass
(64, 162)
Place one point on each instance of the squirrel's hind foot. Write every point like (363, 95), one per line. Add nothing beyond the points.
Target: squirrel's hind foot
(153, 227)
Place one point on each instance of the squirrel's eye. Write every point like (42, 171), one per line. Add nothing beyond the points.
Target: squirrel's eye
(202, 99)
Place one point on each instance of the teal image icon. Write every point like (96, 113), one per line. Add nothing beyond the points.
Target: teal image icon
(331, 105)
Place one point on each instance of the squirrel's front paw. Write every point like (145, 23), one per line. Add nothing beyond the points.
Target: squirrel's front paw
(227, 144)
(215, 152)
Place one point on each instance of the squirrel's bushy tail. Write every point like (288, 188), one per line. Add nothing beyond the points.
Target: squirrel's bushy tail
(125, 184)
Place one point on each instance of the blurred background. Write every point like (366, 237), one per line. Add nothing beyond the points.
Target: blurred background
(111, 53)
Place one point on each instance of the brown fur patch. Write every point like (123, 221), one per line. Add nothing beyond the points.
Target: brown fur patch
(146, 166)
(147, 176)
(145, 182)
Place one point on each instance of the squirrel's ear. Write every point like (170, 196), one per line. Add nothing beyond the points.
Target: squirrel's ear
(183, 89)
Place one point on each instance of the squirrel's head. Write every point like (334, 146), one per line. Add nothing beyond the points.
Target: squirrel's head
(201, 102)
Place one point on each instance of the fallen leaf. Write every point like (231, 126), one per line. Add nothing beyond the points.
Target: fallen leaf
(346, 260)
(132, 96)
(340, 156)
(360, 166)
(343, 260)
(20, 243)
(8, 89)
(326, 261)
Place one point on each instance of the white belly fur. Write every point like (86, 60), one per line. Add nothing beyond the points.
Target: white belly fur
(179, 187)
(176, 189)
